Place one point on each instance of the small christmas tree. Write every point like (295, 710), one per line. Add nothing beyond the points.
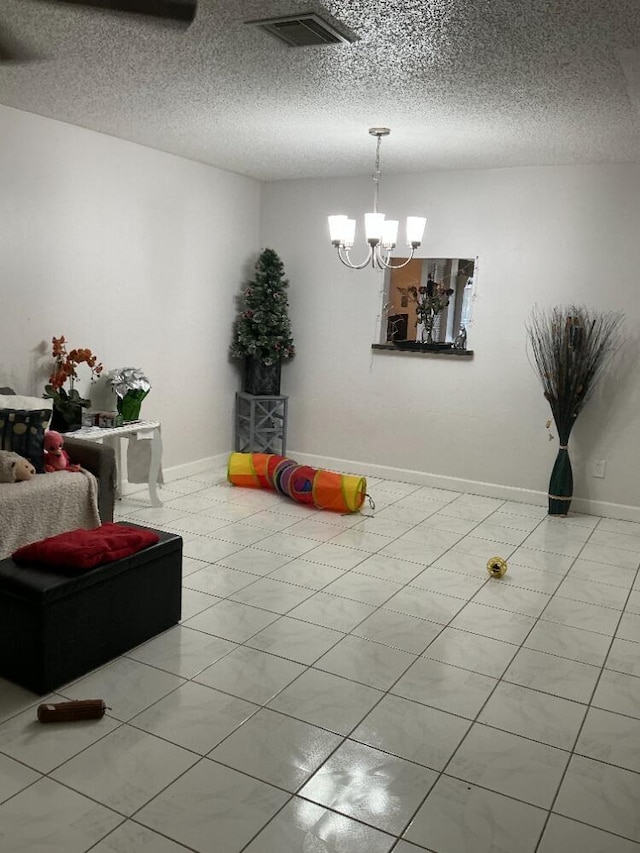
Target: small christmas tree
(263, 329)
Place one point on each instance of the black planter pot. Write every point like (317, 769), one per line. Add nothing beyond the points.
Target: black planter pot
(261, 379)
(419, 346)
(71, 422)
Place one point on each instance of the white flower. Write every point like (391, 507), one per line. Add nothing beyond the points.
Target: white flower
(126, 379)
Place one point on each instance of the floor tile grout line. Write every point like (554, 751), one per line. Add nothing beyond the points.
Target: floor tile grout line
(405, 585)
(588, 707)
(265, 706)
(374, 553)
(385, 693)
(201, 757)
(328, 584)
(337, 746)
(380, 607)
(282, 614)
(377, 553)
(312, 665)
(48, 773)
(476, 721)
(393, 837)
(473, 722)
(342, 530)
(187, 847)
(584, 719)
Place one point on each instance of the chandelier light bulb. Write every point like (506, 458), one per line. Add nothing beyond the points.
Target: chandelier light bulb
(373, 225)
(349, 233)
(390, 234)
(337, 227)
(381, 234)
(415, 230)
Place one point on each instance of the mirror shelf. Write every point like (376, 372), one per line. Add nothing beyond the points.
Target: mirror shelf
(422, 352)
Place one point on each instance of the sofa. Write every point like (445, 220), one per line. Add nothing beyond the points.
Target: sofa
(100, 460)
(53, 503)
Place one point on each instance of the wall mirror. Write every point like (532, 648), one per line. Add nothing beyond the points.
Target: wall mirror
(428, 304)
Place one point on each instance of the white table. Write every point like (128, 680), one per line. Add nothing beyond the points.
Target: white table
(141, 430)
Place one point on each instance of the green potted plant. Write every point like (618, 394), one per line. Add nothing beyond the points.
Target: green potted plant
(68, 404)
(131, 387)
(262, 330)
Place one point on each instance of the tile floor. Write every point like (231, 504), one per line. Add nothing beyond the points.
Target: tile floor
(354, 684)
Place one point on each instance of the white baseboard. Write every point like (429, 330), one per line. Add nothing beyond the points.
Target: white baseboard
(603, 509)
(200, 466)
(456, 484)
(606, 509)
(177, 472)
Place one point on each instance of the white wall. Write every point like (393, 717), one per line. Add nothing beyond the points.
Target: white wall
(139, 255)
(547, 236)
(133, 253)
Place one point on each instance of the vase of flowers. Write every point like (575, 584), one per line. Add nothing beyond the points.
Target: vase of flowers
(571, 347)
(262, 330)
(67, 403)
(131, 387)
(430, 299)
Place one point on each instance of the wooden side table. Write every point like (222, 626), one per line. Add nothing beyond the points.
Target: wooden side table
(140, 430)
(261, 423)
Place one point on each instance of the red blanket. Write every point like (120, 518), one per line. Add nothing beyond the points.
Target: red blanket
(86, 549)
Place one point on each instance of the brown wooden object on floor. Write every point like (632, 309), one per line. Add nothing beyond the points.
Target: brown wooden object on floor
(66, 712)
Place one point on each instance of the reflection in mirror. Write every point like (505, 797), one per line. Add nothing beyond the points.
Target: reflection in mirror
(429, 301)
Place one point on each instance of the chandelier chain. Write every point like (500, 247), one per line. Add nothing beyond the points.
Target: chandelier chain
(376, 175)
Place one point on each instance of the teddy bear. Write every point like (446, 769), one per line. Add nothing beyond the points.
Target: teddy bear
(56, 457)
(14, 468)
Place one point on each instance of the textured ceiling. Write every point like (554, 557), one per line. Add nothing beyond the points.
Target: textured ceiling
(462, 83)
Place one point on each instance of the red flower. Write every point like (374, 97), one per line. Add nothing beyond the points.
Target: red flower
(67, 362)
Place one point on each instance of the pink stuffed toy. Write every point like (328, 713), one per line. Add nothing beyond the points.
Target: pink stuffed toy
(55, 457)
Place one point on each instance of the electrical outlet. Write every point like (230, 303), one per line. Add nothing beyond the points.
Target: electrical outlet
(599, 468)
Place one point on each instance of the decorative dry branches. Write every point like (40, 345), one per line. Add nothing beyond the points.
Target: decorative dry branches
(571, 346)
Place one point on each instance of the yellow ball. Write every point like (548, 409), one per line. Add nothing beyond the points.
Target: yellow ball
(497, 567)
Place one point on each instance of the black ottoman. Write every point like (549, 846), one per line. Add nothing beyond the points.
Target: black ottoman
(55, 627)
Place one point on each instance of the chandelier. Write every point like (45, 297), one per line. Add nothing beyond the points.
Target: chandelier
(381, 234)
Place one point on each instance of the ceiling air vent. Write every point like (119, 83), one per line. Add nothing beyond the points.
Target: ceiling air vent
(306, 30)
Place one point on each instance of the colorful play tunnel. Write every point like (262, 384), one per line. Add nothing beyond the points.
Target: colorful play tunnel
(315, 486)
